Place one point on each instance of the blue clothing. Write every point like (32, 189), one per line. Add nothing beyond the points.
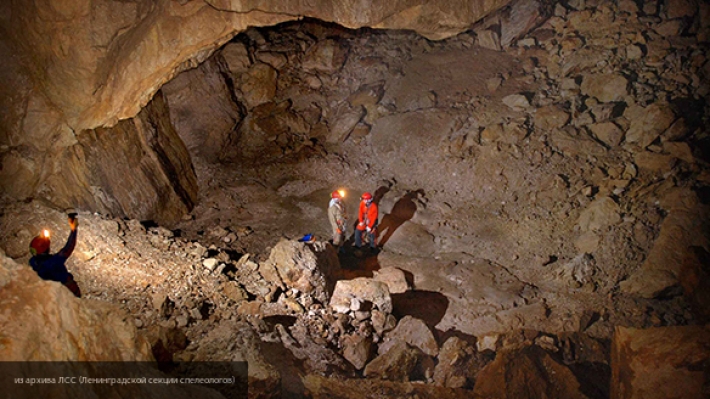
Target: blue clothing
(370, 236)
(51, 267)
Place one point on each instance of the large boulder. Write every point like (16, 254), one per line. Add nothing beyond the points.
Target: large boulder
(311, 269)
(458, 364)
(605, 87)
(394, 277)
(527, 373)
(664, 362)
(236, 341)
(397, 364)
(362, 289)
(416, 333)
(42, 321)
(648, 123)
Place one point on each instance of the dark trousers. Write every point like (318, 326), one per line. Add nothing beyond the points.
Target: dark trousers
(370, 236)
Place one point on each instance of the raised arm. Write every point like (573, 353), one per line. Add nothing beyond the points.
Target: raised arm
(71, 241)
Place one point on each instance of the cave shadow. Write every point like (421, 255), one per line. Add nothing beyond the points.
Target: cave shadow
(402, 211)
(353, 265)
(427, 306)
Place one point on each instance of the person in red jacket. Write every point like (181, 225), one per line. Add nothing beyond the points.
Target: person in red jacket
(367, 221)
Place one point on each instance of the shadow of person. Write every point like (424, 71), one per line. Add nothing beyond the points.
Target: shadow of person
(402, 211)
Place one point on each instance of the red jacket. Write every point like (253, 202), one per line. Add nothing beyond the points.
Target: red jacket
(367, 216)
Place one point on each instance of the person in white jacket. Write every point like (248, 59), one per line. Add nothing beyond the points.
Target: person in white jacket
(337, 217)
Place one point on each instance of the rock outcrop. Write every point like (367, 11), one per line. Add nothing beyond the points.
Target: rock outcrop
(526, 373)
(310, 269)
(664, 362)
(42, 321)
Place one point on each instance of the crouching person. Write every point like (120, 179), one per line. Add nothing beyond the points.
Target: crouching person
(51, 267)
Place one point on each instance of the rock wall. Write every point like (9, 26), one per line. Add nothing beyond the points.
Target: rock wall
(140, 167)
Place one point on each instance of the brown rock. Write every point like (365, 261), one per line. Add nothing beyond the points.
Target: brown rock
(416, 333)
(411, 239)
(325, 56)
(605, 87)
(357, 350)
(364, 289)
(458, 364)
(680, 8)
(308, 268)
(681, 230)
(648, 123)
(658, 163)
(275, 60)
(397, 364)
(492, 84)
(573, 142)
(162, 188)
(489, 39)
(382, 322)
(522, 17)
(669, 28)
(516, 102)
(526, 374)
(236, 56)
(343, 121)
(263, 378)
(56, 326)
(394, 278)
(680, 151)
(491, 134)
(551, 117)
(677, 131)
(600, 214)
(587, 242)
(258, 85)
(608, 133)
(660, 362)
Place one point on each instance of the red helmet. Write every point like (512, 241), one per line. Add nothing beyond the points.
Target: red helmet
(336, 194)
(367, 196)
(39, 245)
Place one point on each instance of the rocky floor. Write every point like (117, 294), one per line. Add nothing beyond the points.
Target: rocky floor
(519, 185)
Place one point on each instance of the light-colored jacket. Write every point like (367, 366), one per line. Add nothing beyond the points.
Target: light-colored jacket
(337, 215)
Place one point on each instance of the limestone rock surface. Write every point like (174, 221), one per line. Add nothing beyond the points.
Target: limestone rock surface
(363, 289)
(663, 362)
(308, 268)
